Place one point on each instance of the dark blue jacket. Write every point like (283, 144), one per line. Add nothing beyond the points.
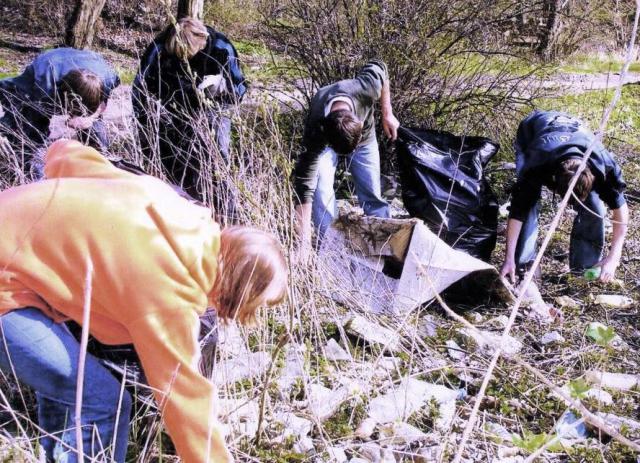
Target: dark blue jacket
(38, 83)
(546, 138)
(171, 81)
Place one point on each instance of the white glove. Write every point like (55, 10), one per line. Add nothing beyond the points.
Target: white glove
(214, 84)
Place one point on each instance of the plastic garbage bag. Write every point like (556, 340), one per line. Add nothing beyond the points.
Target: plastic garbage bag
(443, 183)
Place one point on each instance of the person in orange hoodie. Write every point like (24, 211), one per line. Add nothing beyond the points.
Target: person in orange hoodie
(154, 262)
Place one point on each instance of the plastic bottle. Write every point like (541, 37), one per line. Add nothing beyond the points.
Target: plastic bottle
(591, 274)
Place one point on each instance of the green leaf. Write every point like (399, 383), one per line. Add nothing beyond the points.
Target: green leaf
(531, 442)
(600, 333)
(578, 388)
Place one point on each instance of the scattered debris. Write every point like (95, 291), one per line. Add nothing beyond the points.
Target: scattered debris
(324, 402)
(336, 455)
(488, 342)
(373, 333)
(246, 366)
(551, 337)
(566, 301)
(497, 432)
(568, 427)
(427, 327)
(293, 425)
(619, 381)
(538, 308)
(615, 301)
(293, 366)
(455, 351)
(401, 433)
(618, 422)
(366, 428)
(333, 351)
(304, 445)
(239, 415)
(499, 322)
(410, 396)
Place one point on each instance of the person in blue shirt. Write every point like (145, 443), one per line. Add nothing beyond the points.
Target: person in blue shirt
(549, 148)
(194, 73)
(58, 81)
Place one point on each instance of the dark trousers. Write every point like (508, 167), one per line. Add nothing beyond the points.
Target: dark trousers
(190, 150)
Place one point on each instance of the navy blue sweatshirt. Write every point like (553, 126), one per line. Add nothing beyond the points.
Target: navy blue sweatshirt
(546, 138)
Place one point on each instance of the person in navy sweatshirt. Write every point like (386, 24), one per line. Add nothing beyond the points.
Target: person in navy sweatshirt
(549, 148)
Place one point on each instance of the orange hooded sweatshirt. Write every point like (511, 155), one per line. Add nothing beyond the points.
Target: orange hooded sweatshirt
(154, 258)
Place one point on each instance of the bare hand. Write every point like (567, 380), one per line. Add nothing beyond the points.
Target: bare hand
(390, 125)
(608, 267)
(508, 270)
(80, 122)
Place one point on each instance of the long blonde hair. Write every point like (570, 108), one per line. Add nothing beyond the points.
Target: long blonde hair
(251, 271)
(186, 38)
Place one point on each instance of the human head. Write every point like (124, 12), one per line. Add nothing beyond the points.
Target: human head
(186, 38)
(81, 92)
(342, 130)
(252, 272)
(565, 172)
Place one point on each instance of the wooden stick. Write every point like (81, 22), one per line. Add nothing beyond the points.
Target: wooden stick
(84, 340)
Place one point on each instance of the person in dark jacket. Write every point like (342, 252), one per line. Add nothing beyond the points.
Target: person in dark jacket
(58, 81)
(549, 148)
(341, 122)
(193, 72)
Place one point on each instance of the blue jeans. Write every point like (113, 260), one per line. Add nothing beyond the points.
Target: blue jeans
(587, 236)
(44, 356)
(364, 165)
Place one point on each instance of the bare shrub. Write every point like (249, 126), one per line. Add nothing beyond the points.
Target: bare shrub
(446, 60)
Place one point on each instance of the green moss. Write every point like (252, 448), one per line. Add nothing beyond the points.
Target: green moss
(126, 75)
(425, 418)
(251, 48)
(589, 64)
(279, 454)
(345, 420)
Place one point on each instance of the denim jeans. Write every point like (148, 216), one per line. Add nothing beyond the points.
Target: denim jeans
(44, 356)
(364, 165)
(587, 236)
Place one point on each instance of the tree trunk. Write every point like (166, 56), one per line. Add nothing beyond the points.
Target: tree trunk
(192, 8)
(549, 31)
(82, 24)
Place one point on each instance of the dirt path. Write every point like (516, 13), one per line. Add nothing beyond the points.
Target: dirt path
(574, 84)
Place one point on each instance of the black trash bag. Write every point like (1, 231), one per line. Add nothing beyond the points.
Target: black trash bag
(443, 183)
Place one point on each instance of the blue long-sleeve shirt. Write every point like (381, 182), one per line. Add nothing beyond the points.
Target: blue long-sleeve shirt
(38, 83)
(546, 138)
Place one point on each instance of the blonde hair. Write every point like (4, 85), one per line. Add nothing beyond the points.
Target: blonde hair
(186, 38)
(252, 271)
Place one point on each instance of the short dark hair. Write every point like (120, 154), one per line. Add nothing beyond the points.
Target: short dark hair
(342, 130)
(565, 172)
(81, 92)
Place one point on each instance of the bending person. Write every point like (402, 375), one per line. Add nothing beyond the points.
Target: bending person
(341, 122)
(58, 81)
(159, 261)
(194, 73)
(549, 147)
